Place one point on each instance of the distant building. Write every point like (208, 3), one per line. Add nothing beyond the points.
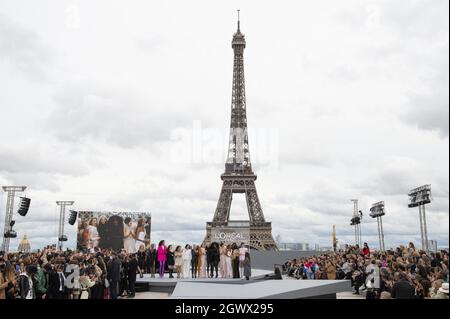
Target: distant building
(24, 245)
(293, 246)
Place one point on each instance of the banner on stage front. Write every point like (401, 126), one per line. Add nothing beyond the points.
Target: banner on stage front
(119, 231)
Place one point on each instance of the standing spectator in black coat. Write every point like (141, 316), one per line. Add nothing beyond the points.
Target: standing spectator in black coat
(131, 275)
(56, 283)
(26, 284)
(123, 286)
(114, 276)
(214, 259)
(403, 289)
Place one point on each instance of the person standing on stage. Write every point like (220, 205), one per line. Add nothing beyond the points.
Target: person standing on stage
(141, 255)
(194, 260)
(228, 268)
(203, 260)
(170, 260)
(208, 259)
(247, 266)
(222, 260)
(162, 257)
(214, 259)
(150, 260)
(235, 261)
(187, 256)
(242, 251)
(179, 261)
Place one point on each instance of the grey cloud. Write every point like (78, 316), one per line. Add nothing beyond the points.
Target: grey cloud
(110, 115)
(430, 111)
(24, 49)
(418, 19)
(31, 159)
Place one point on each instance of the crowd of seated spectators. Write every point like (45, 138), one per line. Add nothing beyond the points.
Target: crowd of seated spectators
(401, 273)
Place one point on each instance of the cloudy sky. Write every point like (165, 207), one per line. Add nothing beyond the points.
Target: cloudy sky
(124, 106)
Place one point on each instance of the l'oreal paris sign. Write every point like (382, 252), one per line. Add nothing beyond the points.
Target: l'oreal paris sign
(230, 236)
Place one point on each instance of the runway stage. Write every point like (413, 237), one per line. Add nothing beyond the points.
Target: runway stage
(258, 287)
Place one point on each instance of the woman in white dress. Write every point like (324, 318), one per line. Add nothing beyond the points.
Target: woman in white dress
(93, 234)
(129, 242)
(140, 233)
(228, 272)
(187, 256)
(222, 263)
(202, 256)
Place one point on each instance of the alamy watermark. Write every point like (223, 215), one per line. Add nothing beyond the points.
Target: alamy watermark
(209, 146)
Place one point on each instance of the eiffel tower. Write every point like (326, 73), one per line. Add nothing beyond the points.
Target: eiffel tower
(239, 176)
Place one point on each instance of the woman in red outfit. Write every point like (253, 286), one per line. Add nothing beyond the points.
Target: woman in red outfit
(366, 250)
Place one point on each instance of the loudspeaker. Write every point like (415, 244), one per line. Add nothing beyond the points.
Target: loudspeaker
(63, 238)
(73, 217)
(10, 234)
(24, 206)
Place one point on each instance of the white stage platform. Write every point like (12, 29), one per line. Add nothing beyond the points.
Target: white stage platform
(270, 289)
(167, 284)
(258, 287)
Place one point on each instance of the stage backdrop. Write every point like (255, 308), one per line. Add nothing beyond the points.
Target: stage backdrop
(113, 230)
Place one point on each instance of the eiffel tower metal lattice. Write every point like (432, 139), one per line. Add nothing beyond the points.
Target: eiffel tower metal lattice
(239, 176)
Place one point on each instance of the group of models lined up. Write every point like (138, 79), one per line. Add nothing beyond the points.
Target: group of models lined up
(197, 261)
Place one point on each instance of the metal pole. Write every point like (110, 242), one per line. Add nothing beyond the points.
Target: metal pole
(379, 232)
(61, 225)
(360, 234)
(382, 234)
(425, 231)
(421, 226)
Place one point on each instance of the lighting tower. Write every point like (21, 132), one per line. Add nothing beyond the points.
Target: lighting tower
(377, 211)
(356, 221)
(9, 223)
(62, 212)
(421, 196)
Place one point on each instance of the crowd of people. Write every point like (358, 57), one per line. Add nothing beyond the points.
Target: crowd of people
(108, 274)
(401, 273)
